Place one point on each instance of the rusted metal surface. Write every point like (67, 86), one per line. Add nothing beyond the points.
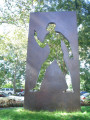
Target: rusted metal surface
(51, 96)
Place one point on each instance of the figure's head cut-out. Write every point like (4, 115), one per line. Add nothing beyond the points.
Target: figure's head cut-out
(51, 27)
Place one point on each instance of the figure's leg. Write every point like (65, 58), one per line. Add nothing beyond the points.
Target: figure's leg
(67, 75)
(42, 72)
(68, 61)
(63, 68)
(61, 62)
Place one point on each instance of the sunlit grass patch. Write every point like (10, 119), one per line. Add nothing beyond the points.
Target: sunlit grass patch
(22, 114)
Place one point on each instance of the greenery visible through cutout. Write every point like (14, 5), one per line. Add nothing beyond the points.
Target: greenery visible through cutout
(53, 39)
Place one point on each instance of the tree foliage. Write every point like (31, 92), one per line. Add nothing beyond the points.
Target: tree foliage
(13, 58)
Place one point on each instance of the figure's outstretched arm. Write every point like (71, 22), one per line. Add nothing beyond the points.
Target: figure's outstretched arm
(41, 44)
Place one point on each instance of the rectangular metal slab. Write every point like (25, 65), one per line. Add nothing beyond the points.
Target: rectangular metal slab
(51, 96)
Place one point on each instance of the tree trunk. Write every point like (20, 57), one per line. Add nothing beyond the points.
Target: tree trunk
(14, 86)
(14, 81)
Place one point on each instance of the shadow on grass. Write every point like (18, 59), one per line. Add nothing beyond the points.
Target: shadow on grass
(22, 114)
(85, 109)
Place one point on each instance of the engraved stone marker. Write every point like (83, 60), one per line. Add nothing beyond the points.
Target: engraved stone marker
(53, 94)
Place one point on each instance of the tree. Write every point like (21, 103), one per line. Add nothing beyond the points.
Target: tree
(13, 58)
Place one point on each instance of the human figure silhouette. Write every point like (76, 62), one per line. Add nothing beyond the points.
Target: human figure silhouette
(53, 39)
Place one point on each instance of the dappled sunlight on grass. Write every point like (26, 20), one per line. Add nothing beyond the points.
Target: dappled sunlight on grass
(84, 112)
(64, 113)
(22, 114)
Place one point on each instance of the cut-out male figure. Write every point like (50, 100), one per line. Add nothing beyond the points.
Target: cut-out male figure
(53, 39)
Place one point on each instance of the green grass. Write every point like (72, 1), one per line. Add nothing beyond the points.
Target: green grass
(22, 114)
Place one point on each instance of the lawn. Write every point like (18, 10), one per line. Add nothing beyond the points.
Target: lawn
(22, 114)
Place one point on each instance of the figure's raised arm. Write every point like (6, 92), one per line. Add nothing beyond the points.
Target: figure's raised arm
(41, 44)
